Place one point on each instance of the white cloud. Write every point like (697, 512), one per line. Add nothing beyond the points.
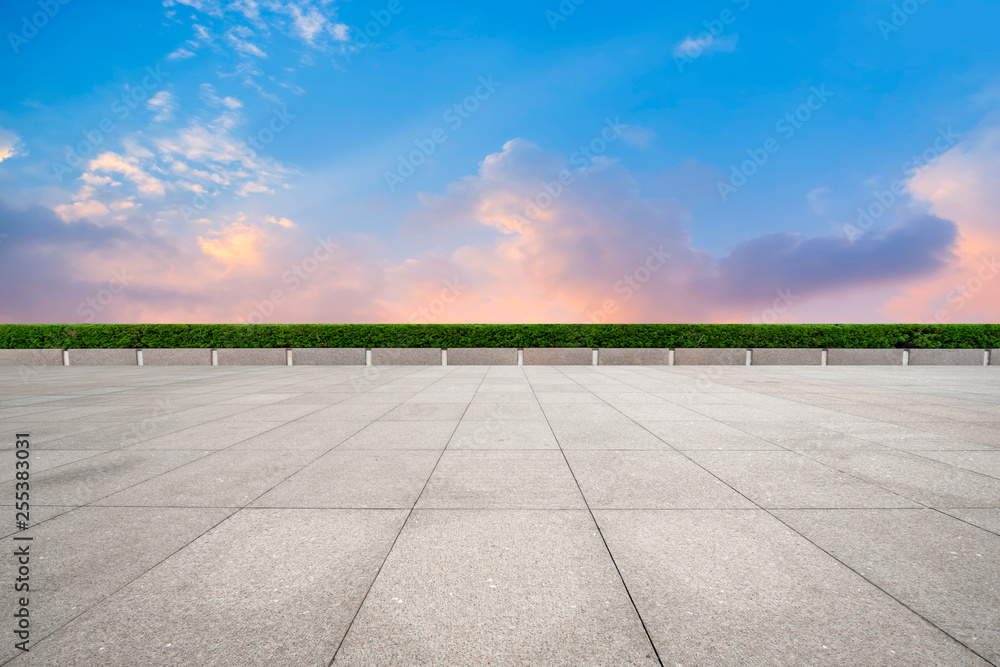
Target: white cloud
(819, 200)
(98, 181)
(208, 94)
(181, 54)
(162, 104)
(704, 44)
(10, 145)
(638, 136)
(82, 209)
(239, 38)
(281, 222)
(114, 163)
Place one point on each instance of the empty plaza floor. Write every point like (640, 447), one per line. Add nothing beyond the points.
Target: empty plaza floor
(560, 515)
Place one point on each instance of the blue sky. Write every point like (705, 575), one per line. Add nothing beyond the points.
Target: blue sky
(124, 130)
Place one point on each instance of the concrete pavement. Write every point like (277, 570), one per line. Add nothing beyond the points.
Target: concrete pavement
(506, 515)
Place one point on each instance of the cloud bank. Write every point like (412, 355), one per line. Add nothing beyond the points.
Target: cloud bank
(530, 237)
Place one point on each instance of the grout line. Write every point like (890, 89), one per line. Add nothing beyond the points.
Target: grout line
(770, 511)
(401, 528)
(593, 518)
(236, 511)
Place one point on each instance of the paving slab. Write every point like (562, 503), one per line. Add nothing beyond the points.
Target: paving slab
(789, 479)
(649, 480)
(356, 479)
(96, 477)
(940, 567)
(706, 434)
(739, 587)
(604, 434)
(501, 480)
(503, 434)
(221, 479)
(238, 596)
(552, 601)
(758, 515)
(402, 435)
(918, 478)
(87, 554)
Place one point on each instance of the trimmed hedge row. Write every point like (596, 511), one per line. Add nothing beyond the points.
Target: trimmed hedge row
(34, 336)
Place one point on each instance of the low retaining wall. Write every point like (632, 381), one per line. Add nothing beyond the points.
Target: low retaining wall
(406, 356)
(31, 357)
(251, 356)
(710, 356)
(125, 357)
(860, 357)
(190, 356)
(633, 356)
(946, 357)
(558, 356)
(482, 356)
(786, 356)
(473, 356)
(328, 356)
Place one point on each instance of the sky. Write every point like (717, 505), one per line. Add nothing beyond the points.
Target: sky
(271, 161)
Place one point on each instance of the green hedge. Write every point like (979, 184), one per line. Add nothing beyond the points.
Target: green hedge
(22, 336)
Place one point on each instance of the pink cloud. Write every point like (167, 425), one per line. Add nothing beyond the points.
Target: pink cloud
(531, 237)
(960, 186)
